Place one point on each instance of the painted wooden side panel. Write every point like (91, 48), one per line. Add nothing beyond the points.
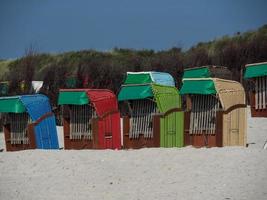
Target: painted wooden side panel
(172, 129)
(116, 130)
(243, 127)
(235, 128)
(109, 132)
(37, 107)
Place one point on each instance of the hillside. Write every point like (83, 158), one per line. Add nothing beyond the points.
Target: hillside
(107, 69)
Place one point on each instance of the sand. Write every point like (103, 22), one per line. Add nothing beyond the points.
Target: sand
(156, 173)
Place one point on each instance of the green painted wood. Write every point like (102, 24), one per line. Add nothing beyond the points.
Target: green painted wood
(171, 125)
(73, 98)
(11, 105)
(135, 92)
(167, 97)
(202, 72)
(198, 87)
(139, 78)
(172, 130)
(255, 70)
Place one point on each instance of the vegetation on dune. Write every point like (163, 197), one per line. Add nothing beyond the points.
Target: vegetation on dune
(4, 66)
(95, 69)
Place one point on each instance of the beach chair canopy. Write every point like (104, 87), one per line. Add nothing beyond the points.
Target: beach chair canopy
(208, 72)
(133, 92)
(230, 93)
(26, 103)
(255, 70)
(104, 101)
(11, 105)
(154, 85)
(166, 97)
(152, 94)
(161, 78)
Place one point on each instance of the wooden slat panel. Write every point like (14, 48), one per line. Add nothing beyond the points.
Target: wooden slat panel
(256, 110)
(190, 113)
(141, 118)
(79, 139)
(203, 114)
(80, 122)
(256, 93)
(18, 128)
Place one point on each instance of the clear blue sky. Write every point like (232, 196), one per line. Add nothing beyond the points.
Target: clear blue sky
(65, 25)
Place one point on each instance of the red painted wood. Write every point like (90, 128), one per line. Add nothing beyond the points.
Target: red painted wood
(106, 131)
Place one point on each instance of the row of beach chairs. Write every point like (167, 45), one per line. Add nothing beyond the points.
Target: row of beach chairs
(149, 111)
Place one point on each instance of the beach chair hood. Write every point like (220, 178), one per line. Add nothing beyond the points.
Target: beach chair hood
(230, 93)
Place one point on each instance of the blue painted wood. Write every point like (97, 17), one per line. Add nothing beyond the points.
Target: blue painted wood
(45, 132)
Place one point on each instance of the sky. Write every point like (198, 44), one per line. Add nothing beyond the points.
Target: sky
(55, 26)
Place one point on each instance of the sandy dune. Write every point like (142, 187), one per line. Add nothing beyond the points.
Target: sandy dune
(185, 173)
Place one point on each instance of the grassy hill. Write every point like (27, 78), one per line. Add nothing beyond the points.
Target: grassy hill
(4, 68)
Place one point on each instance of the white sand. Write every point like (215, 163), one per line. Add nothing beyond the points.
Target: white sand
(185, 173)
